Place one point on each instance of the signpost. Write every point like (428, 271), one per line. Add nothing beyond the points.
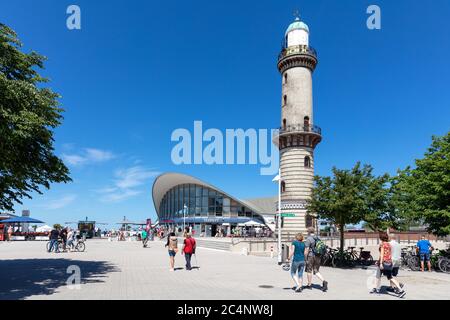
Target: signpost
(288, 215)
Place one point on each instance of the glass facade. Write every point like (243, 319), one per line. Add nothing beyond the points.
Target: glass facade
(199, 201)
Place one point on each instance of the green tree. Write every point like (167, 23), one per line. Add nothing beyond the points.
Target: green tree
(29, 112)
(424, 192)
(383, 207)
(340, 199)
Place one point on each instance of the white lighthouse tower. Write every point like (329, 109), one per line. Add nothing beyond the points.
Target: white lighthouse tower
(298, 135)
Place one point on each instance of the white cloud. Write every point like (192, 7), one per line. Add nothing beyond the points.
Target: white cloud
(74, 159)
(120, 195)
(97, 155)
(60, 203)
(89, 156)
(125, 183)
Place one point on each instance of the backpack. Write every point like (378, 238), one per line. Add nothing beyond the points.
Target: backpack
(320, 248)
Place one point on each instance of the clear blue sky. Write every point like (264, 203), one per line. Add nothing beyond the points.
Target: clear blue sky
(140, 69)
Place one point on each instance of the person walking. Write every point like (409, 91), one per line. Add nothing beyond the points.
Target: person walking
(386, 265)
(63, 235)
(313, 260)
(54, 236)
(298, 262)
(144, 238)
(172, 246)
(10, 232)
(70, 239)
(396, 252)
(188, 249)
(424, 248)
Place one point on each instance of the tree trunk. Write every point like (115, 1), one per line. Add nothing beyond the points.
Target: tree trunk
(341, 230)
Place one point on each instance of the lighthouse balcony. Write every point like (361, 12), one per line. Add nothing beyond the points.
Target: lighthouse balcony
(297, 50)
(308, 128)
(297, 135)
(297, 56)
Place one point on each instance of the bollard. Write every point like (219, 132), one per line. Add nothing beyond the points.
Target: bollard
(271, 252)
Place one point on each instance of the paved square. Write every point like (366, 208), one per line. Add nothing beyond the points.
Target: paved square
(126, 270)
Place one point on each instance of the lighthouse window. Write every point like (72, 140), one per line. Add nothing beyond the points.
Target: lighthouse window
(307, 162)
(284, 99)
(285, 78)
(283, 186)
(284, 123)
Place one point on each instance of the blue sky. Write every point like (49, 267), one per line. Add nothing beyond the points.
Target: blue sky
(140, 69)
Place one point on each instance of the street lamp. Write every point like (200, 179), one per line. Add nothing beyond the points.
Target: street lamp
(278, 179)
(184, 217)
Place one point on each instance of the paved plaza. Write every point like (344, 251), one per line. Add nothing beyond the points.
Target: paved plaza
(126, 270)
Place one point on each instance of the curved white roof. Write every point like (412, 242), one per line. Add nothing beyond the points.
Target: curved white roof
(167, 181)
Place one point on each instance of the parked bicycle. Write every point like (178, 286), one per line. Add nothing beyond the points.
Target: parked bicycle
(410, 259)
(362, 257)
(440, 260)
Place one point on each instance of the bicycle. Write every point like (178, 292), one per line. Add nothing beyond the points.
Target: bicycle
(440, 261)
(80, 246)
(342, 259)
(410, 258)
(362, 257)
(60, 245)
(327, 258)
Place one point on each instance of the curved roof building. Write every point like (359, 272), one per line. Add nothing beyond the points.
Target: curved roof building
(180, 198)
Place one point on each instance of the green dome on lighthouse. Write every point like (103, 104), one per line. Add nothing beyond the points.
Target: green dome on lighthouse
(297, 25)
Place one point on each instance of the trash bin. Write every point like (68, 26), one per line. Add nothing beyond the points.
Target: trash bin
(284, 253)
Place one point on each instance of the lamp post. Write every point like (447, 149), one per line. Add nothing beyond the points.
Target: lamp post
(278, 179)
(184, 217)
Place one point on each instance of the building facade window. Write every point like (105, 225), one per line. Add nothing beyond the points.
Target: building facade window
(200, 202)
(306, 121)
(284, 124)
(307, 162)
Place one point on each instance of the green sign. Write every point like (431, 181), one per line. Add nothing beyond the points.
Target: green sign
(290, 215)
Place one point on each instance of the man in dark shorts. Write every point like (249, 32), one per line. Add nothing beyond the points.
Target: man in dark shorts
(313, 260)
(424, 248)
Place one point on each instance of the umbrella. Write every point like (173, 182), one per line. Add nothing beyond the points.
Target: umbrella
(44, 229)
(253, 223)
(21, 220)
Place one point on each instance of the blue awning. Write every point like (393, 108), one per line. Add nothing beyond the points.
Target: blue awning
(215, 220)
(21, 220)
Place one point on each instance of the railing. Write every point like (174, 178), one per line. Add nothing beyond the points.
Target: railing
(300, 49)
(299, 128)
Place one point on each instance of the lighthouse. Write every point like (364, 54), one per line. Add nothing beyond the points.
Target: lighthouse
(298, 134)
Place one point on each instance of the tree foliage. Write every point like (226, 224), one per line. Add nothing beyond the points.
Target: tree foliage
(349, 197)
(424, 192)
(29, 112)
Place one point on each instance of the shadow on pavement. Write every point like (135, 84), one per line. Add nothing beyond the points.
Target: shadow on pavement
(22, 278)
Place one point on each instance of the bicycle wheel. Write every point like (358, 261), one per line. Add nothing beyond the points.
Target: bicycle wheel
(339, 261)
(368, 261)
(48, 246)
(414, 263)
(80, 247)
(444, 265)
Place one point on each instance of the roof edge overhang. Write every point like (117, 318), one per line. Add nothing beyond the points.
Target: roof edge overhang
(166, 181)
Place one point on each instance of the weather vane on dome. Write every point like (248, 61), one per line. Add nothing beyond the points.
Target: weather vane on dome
(296, 14)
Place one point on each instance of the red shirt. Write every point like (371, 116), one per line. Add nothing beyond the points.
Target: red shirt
(189, 245)
(387, 252)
